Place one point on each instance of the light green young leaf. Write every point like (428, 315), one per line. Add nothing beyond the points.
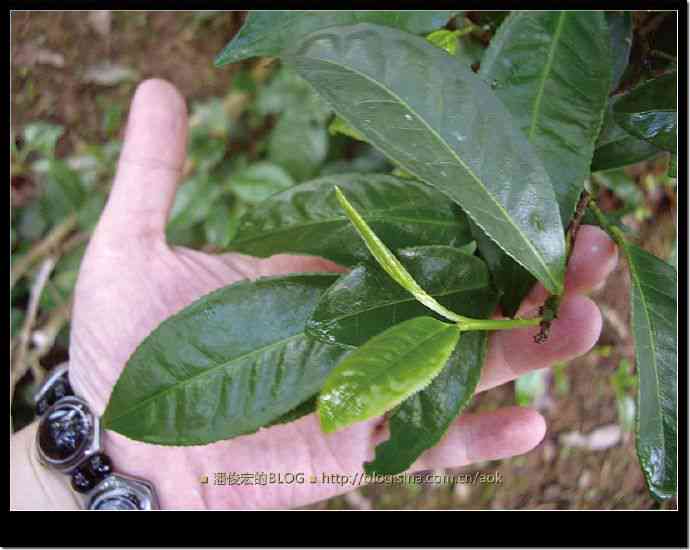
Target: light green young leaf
(385, 371)
(389, 262)
(422, 420)
(445, 39)
(434, 117)
(267, 33)
(339, 126)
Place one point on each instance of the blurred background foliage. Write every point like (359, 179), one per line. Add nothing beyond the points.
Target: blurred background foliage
(256, 129)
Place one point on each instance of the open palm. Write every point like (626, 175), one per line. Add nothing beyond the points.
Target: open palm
(131, 280)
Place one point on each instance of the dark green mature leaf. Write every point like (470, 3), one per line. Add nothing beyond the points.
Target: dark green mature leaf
(615, 147)
(386, 370)
(267, 33)
(440, 122)
(307, 219)
(649, 111)
(422, 420)
(552, 70)
(654, 310)
(233, 361)
(621, 35)
(366, 301)
(511, 279)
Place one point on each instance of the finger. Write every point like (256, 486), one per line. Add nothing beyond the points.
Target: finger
(514, 352)
(594, 258)
(150, 166)
(486, 436)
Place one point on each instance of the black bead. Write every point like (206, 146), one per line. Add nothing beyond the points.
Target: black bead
(100, 466)
(42, 406)
(63, 431)
(82, 481)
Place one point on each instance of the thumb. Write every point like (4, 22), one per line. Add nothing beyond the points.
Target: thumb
(150, 165)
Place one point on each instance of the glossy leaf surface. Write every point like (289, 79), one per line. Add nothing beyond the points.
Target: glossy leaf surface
(552, 70)
(269, 32)
(654, 311)
(615, 147)
(307, 219)
(389, 262)
(366, 301)
(386, 370)
(649, 112)
(435, 118)
(422, 419)
(233, 361)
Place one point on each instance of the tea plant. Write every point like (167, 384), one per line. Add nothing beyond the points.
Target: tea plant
(493, 180)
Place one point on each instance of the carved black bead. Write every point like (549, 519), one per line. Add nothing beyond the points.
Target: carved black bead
(100, 466)
(63, 431)
(83, 480)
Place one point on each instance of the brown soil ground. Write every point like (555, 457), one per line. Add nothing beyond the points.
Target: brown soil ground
(50, 54)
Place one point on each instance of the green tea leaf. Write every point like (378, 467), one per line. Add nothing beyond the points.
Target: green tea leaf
(387, 260)
(621, 35)
(42, 137)
(648, 112)
(339, 126)
(654, 311)
(259, 181)
(552, 70)
(422, 420)
(615, 147)
(366, 301)
(386, 370)
(511, 279)
(307, 218)
(298, 144)
(267, 33)
(434, 117)
(446, 40)
(233, 361)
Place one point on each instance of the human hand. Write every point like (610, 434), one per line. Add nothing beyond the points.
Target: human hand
(131, 280)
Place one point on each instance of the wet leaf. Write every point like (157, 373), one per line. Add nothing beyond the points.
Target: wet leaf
(648, 112)
(386, 370)
(231, 362)
(422, 420)
(654, 311)
(267, 33)
(307, 218)
(434, 117)
(552, 70)
(366, 301)
(615, 147)
(389, 262)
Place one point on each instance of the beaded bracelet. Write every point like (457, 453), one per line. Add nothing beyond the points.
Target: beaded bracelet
(69, 440)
